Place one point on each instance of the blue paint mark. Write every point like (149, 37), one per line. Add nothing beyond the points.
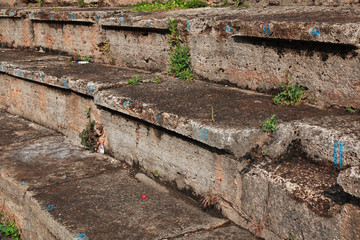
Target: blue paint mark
(96, 17)
(65, 83)
(12, 14)
(121, 21)
(1, 68)
(266, 30)
(49, 207)
(91, 90)
(125, 103)
(228, 28)
(73, 16)
(81, 236)
(0, 166)
(315, 32)
(340, 154)
(203, 134)
(43, 78)
(148, 23)
(335, 156)
(19, 73)
(158, 118)
(51, 17)
(31, 16)
(188, 26)
(24, 183)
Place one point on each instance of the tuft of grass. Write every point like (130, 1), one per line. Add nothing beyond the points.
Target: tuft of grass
(350, 109)
(40, 3)
(160, 5)
(270, 124)
(135, 80)
(8, 228)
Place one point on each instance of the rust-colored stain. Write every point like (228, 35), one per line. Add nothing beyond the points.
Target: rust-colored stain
(49, 40)
(218, 169)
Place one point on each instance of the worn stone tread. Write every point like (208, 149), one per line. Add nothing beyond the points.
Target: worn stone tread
(66, 191)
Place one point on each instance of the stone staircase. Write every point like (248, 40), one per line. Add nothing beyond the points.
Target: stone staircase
(204, 137)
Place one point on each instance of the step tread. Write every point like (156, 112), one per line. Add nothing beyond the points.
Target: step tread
(92, 194)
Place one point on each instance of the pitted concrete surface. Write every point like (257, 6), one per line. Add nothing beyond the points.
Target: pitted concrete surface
(64, 191)
(60, 71)
(249, 48)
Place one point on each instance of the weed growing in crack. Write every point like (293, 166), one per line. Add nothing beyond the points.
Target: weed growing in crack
(8, 228)
(350, 109)
(290, 95)
(180, 62)
(81, 3)
(270, 124)
(89, 136)
(135, 80)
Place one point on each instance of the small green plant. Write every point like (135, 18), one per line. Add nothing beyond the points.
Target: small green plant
(155, 173)
(160, 5)
(135, 80)
(290, 95)
(89, 137)
(81, 3)
(209, 200)
(40, 3)
(350, 109)
(180, 62)
(158, 79)
(88, 58)
(270, 124)
(8, 228)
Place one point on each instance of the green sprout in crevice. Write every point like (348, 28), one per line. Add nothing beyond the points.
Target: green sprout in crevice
(270, 124)
(290, 94)
(180, 61)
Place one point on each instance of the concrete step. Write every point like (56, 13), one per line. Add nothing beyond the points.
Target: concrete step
(247, 48)
(56, 190)
(206, 139)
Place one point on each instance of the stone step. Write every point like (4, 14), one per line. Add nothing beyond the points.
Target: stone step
(247, 48)
(56, 190)
(204, 138)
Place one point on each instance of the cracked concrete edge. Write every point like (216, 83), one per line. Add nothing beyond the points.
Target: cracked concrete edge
(236, 141)
(346, 33)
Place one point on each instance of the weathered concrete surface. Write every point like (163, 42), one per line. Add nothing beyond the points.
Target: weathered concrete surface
(60, 71)
(225, 233)
(171, 143)
(349, 179)
(252, 3)
(250, 48)
(69, 191)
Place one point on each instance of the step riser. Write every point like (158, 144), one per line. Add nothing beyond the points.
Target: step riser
(178, 160)
(326, 64)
